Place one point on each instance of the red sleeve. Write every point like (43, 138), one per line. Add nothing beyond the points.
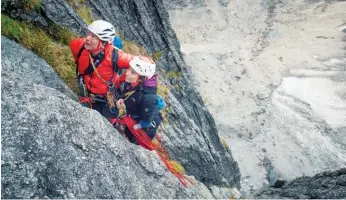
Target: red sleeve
(76, 45)
(124, 60)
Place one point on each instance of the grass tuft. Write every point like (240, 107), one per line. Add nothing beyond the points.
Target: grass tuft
(82, 9)
(156, 55)
(133, 48)
(174, 74)
(177, 166)
(56, 54)
(31, 5)
(224, 143)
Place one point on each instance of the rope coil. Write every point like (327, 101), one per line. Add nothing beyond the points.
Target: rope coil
(144, 141)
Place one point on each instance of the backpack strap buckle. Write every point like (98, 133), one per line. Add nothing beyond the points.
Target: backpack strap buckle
(153, 124)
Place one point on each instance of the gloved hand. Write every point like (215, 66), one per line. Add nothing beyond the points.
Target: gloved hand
(137, 126)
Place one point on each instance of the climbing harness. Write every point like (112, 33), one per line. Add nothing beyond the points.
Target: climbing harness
(87, 99)
(92, 98)
(112, 95)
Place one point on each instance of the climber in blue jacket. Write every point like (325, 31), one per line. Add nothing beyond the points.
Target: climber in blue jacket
(139, 97)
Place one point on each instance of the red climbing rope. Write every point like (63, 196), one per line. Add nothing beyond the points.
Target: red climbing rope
(143, 140)
(86, 100)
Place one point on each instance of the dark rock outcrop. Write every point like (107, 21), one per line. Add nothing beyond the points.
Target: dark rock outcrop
(50, 148)
(325, 185)
(191, 136)
(61, 13)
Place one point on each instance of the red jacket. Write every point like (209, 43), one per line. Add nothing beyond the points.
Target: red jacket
(94, 84)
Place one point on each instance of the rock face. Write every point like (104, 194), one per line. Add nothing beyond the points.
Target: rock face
(191, 135)
(326, 185)
(20, 63)
(50, 148)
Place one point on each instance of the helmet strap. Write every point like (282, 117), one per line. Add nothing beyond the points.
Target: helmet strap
(142, 79)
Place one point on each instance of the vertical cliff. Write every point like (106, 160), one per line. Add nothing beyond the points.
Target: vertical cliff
(191, 136)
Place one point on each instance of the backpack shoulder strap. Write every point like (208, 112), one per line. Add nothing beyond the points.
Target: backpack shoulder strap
(115, 60)
(80, 52)
(140, 94)
(78, 55)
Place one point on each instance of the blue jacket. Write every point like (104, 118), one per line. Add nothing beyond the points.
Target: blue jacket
(142, 104)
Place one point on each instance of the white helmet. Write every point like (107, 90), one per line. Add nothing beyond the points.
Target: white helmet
(105, 31)
(143, 66)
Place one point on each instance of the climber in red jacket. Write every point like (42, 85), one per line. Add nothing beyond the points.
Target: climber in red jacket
(97, 65)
